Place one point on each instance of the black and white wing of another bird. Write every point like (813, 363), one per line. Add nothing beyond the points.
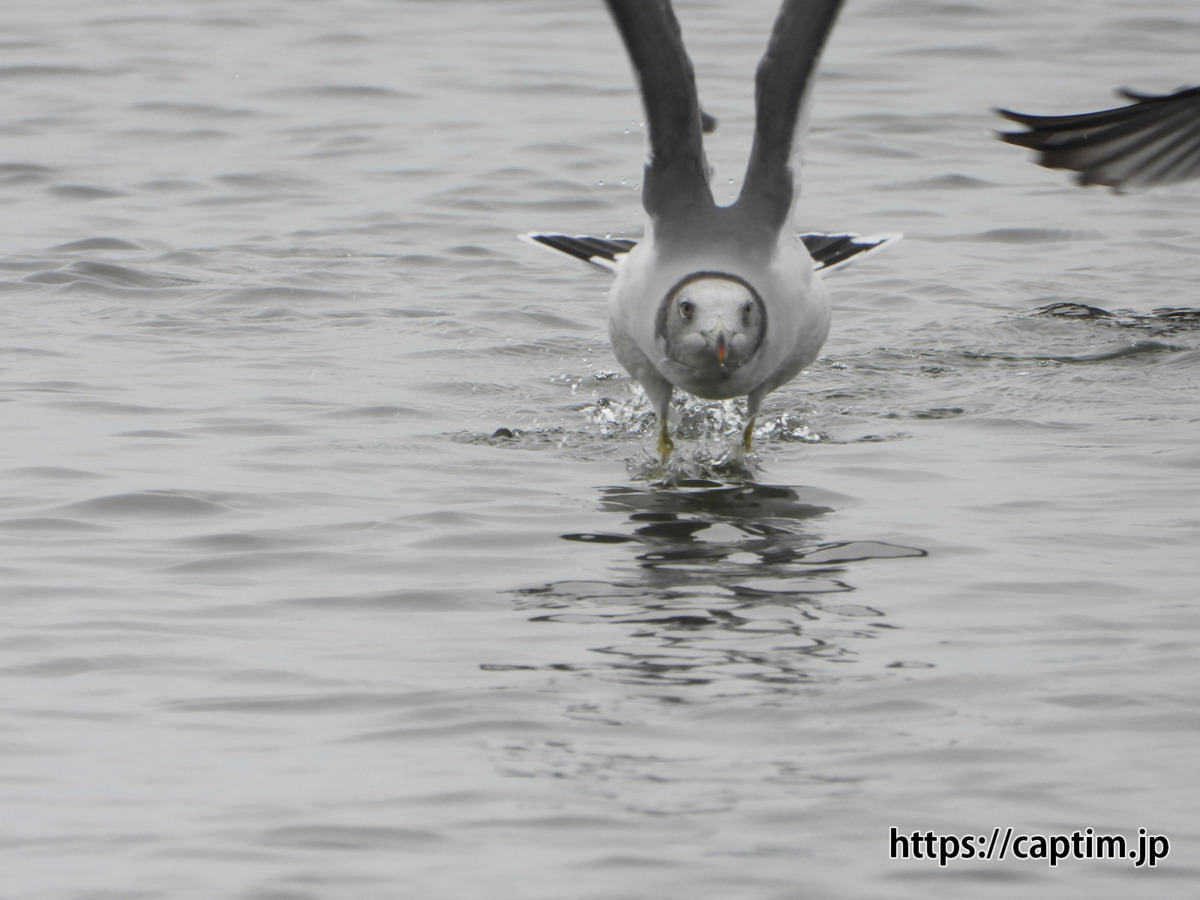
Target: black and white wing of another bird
(1154, 140)
(717, 301)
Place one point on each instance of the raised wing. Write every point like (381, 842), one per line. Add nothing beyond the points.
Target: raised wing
(783, 79)
(676, 176)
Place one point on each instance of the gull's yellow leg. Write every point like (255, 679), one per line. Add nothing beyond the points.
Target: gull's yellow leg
(665, 445)
(748, 435)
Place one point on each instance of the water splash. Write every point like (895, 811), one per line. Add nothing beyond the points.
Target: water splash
(708, 435)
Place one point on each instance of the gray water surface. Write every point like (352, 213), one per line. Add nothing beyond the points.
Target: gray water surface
(335, 564)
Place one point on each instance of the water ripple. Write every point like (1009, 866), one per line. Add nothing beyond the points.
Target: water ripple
(727, 581)
(164, 504)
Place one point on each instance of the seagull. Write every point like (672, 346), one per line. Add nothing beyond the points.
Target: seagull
(1155, 140)
(717, 301)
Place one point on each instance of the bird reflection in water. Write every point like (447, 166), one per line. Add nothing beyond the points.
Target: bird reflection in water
(726, 581)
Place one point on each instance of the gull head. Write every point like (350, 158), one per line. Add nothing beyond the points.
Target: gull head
(712, 323)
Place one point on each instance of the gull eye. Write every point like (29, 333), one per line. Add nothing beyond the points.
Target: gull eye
(686, 309)
(747, 311)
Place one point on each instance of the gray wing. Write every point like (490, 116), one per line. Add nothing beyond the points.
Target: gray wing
(676, 178)
(1155, 140)
(782, 80)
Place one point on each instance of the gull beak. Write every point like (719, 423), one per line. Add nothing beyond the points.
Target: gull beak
(720, 342)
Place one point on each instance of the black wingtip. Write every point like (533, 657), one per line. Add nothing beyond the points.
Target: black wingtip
(832, 251)
(604, 253)
(829, 251)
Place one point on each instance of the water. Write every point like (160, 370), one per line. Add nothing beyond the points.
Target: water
(334, 562)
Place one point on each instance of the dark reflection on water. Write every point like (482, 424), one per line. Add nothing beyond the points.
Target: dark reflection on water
(724, 581)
